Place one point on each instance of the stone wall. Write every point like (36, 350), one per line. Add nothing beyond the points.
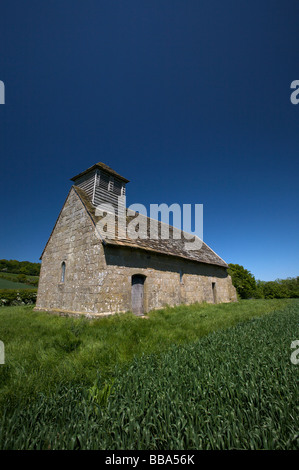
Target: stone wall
(73, 241)
(98, 278)
(169, 280)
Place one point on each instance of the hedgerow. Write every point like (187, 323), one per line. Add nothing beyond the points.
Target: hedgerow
(17, 297)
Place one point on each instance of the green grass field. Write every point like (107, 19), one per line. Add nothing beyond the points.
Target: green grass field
(10, 281)
(6, 284)
(196, 377)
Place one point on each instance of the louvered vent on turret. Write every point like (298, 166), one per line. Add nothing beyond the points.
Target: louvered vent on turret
(102, 185)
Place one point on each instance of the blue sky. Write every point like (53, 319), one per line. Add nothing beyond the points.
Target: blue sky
(189, 100)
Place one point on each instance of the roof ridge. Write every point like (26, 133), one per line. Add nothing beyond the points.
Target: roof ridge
(101, 166)
(173, 246)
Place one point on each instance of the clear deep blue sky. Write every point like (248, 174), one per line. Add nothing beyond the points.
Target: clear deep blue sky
(188, 99)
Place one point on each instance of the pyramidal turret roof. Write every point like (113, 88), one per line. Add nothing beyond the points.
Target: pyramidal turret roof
(103, 167)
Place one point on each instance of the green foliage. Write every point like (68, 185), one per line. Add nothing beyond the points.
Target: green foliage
(68, 341)
(280, 289)
(232, 389)
(20, 267)
(17, 281)
(43, 350)
(13, 285)
(243, 281)
(99, 393)
(272, 290)
(17, 297)
(247, 287)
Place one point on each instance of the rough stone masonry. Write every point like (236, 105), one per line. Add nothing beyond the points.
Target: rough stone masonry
(84, 274)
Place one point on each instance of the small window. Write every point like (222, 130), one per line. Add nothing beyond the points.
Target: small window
(111, 184)
(117, 187)
(103, 181)
(62, 272)
(181, 276)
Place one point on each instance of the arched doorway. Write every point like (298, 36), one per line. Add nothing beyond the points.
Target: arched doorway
(138, 294)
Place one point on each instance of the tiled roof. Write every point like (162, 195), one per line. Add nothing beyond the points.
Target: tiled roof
(101, 166)
(172, 246)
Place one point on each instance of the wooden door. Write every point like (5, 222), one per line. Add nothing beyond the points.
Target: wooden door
(138, 294)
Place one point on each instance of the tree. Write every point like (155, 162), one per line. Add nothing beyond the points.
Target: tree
(20, 267)
(281, 288)
(243, 281)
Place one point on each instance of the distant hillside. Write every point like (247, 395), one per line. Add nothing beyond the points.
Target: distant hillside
(19, 267)
(6, 284)
(17, 281)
